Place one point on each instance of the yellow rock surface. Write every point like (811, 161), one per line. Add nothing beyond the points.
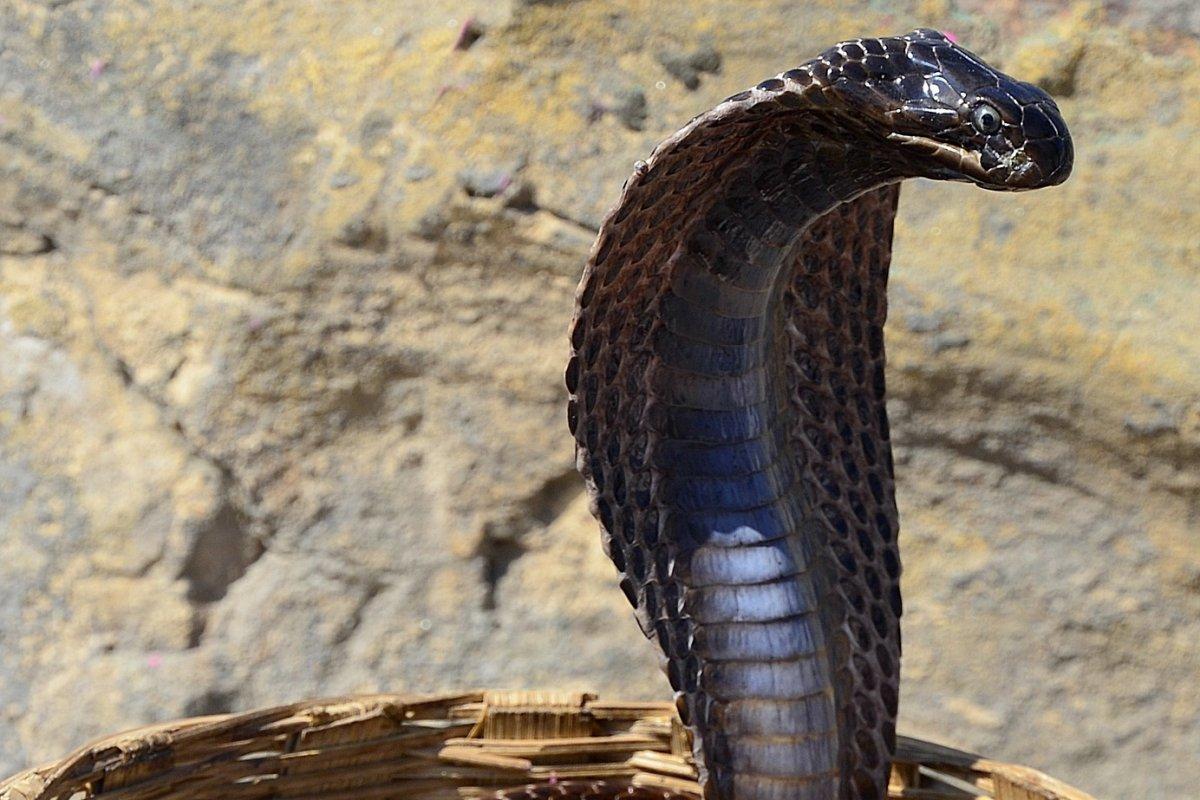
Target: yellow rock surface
(280, 383)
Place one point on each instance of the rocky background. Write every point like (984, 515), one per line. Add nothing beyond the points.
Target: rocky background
(283, 294)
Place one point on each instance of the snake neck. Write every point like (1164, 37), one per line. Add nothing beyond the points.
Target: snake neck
(773, 316)
(728, 405)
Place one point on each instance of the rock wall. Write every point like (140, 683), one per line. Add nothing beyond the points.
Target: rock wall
(283, 293)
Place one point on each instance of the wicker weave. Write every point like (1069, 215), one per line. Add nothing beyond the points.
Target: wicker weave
(443, 747)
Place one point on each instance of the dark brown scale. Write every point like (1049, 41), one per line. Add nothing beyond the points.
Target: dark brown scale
(865, 545)
(843, 555)
(621, 528)
(879, 621)
(891, 563)
(849, 467)
(836, 520)
(874, 586)
(887, 666)
(819, 442)
(857, 507)
(874, 483)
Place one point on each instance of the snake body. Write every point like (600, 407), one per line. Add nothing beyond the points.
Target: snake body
(727, 397)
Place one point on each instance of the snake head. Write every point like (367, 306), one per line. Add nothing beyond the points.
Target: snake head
(950, 114)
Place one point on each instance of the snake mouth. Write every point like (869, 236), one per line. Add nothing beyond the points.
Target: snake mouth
(963, 163)
(1014, 171)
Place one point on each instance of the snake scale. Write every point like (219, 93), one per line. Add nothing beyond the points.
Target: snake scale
(727, 399)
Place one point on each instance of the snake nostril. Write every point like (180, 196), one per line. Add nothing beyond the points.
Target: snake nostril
(1024, 174)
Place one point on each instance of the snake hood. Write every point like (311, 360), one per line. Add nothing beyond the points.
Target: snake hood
(955, 117)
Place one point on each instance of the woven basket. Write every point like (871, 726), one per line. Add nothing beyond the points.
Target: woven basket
(447, 747)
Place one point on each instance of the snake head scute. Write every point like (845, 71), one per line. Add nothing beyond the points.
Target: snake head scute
(949, 114)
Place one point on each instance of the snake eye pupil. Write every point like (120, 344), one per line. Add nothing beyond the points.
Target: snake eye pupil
(986, 118)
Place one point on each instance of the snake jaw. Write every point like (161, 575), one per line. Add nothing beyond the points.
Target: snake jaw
(958, 159)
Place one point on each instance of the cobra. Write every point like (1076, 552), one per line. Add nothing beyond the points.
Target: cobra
(727, 396)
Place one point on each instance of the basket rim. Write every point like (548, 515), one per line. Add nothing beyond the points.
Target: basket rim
(126, 749)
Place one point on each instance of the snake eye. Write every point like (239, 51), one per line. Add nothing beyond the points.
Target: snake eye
(986, 118)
